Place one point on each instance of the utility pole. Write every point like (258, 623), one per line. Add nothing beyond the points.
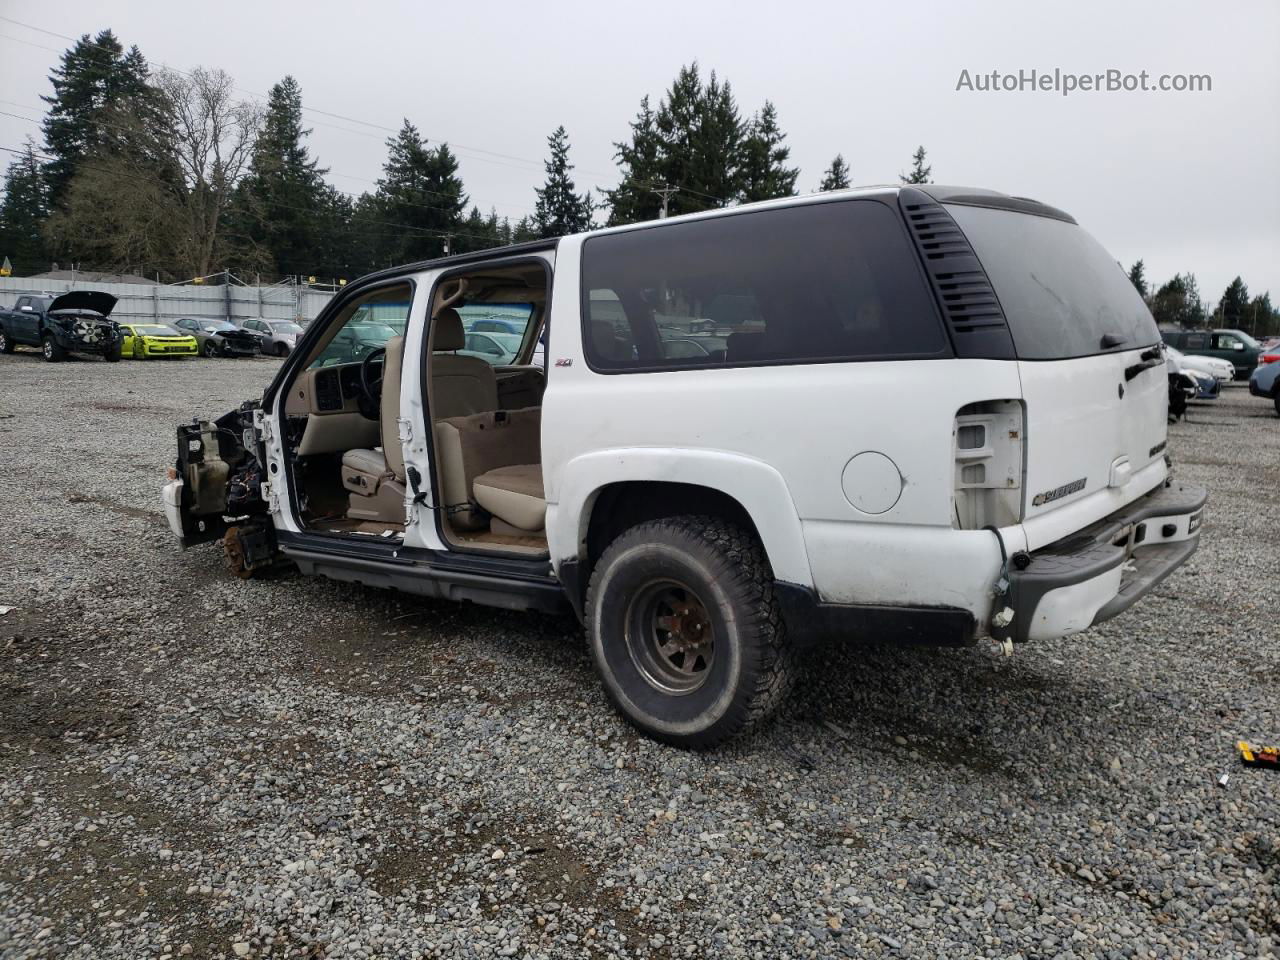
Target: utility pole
(666, 193)
(448, 244)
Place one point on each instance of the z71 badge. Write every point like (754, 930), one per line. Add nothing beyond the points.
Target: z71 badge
(1075, 486)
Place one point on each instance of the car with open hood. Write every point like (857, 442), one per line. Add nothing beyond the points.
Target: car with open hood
(938, 416)
(218, 338)
(77, 322)
(142, 341)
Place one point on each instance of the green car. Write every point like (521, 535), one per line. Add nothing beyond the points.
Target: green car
(1235, 346)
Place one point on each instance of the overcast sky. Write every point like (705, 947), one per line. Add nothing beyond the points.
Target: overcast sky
(1186, 181)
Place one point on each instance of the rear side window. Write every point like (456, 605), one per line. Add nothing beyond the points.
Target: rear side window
(1061, 292)
(809, 284)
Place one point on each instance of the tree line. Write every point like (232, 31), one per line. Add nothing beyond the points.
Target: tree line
(1177, 303)
(172, 174)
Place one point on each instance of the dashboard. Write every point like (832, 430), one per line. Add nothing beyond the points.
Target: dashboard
(334, 388)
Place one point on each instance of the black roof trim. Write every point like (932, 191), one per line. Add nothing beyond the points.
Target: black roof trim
(459, 259)
(968, 197)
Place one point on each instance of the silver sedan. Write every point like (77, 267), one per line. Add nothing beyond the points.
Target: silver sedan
(279, 337)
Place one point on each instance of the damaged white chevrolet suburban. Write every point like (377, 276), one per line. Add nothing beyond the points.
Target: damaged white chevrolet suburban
(919, 415)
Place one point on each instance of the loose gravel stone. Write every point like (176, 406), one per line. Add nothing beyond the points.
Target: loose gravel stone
(195, 765)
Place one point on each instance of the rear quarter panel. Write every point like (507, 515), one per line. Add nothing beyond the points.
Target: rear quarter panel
(783, 436)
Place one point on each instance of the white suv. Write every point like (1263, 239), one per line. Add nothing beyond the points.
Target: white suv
(924, 415)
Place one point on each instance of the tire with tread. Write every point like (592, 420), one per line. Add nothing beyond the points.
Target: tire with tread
(51, 349)
(112, 354)
(753, 663)
(6, 345)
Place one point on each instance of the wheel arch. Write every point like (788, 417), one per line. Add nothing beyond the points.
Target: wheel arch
(597, 496)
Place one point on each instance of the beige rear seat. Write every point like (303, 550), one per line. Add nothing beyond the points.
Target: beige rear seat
(467, 447)
(514, 495)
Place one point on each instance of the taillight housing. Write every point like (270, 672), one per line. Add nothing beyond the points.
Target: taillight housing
(986, 447)
(1269, 357)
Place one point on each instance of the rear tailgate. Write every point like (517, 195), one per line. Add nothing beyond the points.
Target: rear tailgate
(1094, 384)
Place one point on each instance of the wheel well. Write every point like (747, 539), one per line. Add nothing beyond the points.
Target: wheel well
(619, 506)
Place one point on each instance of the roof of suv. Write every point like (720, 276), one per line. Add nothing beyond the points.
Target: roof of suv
(966, 196)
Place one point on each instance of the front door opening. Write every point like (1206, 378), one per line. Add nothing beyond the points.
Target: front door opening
(342, 442)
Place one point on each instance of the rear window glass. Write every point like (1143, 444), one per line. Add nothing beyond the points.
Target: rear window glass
(1060, 290)
(815, 283)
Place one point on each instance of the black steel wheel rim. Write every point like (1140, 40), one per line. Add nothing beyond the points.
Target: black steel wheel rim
(670, 637)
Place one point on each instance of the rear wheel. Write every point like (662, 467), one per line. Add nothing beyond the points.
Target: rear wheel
(685, 631)
(6, 345)
(281, 350)
(51, 349)
(112, 354)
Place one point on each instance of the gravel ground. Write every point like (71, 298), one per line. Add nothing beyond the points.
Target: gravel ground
(198, 766)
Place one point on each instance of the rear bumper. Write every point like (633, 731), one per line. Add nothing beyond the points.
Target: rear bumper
(1104, 569)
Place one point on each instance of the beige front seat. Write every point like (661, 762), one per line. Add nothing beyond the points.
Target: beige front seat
(460, 385)
(375, 478)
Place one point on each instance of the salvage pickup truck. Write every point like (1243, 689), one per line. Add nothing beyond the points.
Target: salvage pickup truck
(74, 322)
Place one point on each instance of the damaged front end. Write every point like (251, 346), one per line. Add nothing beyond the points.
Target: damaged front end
(216, 488)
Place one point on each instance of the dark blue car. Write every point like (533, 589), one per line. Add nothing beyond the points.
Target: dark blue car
(1265, 382)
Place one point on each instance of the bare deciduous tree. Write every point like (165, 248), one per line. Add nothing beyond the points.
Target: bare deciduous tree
(209, 144)
(159, 193)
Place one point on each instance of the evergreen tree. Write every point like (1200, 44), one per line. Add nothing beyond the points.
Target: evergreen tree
(480, 232)
(836, 176)
(764, 174)
(284, 203)
(420, 198)
(22, 213)
(633, 200)
(713, 165)
(694, 141)
(919, 172)
(560, 210)
(1177, 303)
(1138, 277)
(525, 229)
(1234, 305)
(1262, 317)
(95, 82)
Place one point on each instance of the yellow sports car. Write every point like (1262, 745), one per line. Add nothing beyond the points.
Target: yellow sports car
(144, 340)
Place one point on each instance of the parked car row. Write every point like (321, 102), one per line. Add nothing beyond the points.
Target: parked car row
(79, 322)
(1236, 347)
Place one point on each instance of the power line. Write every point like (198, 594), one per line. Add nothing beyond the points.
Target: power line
(345, 193)
(489, 156)
(429, 231)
